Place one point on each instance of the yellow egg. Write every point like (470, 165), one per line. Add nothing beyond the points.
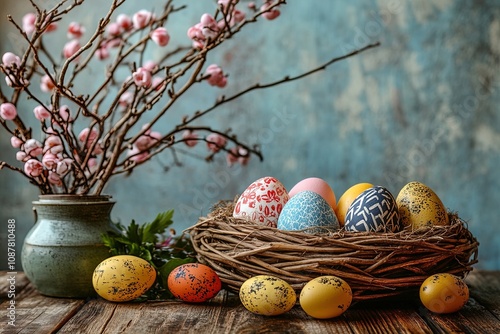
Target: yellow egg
(123, 278)
(325, 297)
(267, 295)
(419, 206)
(347, 198)
(444, 293)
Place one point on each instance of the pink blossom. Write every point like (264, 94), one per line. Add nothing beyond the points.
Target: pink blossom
(137, 155)
(158, 83)
(125, 22)
(52, 26)
(150, 65)
(237, 17)
(50, 160)
(244, 156)
(65, 113)
(29, 21)
(210, 29)
(126, 99)
(8, 111)
(88, 136)
(15, 142)
(21, 156)
(190, 138)
(142, 77)
(33, 147)
(102, 53)
(147, 140)
(114, 43)
(41, 113)
(53, 144)
(75, 30)
(160, 36)
(237, 154)
(64, 166)
(54, 179)
(269, 14)
(216, 76)
(9, 60)
(114, 29)
(71, 48)
(33, 168)
(225, 3)
(142, 18)
(195, 32)
(232, 156)
(215, 142)
(46, 84)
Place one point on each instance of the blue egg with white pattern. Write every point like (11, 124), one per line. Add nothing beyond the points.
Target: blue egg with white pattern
(375, 209)
(308, 211)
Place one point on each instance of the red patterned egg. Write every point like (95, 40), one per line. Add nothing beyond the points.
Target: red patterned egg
(194, 282)
(262, 201)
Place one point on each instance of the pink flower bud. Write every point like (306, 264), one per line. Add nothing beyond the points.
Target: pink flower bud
(50, 160)
(216, 76)
(53, 144)
(137, 155)
(102, 53)
(22, 156)
(210, 29)
(215, 142)
(64, 166)
(46, 84)
(238, 16)
(158, 83)
(33, 168)
(232, 156)
(15, 142)
(142, 77)
(8, 111)
(88, 136)
(195, 32)
(92, 164)
(9, 60)
(125, 22)
(41, 113)
(190, 138)
(126, 99)
(51, 27)
(150, 65)
(244, 156)
(33, 147)
(54, 179)
(29, 21)
(65, 113)
(269, 14)
(75, 30)
(160, 36)
(71, 48)
(114, 29)
(142, 18)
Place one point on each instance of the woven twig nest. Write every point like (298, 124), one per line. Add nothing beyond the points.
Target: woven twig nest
(375, 264)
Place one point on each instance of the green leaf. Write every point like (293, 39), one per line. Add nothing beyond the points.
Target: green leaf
(157, 226)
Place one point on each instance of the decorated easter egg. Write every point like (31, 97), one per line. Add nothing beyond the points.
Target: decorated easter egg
(374, 208)
(325, 297)
(419, 206)
(262, 201)
(194, 282)
(308, 210)
(317, 185)
(347, 198)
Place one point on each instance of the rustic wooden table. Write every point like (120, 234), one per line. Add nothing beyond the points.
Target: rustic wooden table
(38, 314)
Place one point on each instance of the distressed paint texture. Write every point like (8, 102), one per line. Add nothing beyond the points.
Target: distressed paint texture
(423, 106)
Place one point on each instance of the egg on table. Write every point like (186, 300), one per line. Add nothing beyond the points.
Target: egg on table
(444, 293)
(419, 206)
(194, 282)
(325, 297)
(347, 198)
(373, 209)
(319, 186)
(123, 278)
(308, 211)
(267, 295)
(262, 201)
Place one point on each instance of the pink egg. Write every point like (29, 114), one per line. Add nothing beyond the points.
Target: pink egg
(317, 185)
(262, 201)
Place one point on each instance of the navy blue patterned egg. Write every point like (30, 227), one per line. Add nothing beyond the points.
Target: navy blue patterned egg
(308, 211)
(374, 208)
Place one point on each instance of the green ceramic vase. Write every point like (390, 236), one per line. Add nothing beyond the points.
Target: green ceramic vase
(64, 246)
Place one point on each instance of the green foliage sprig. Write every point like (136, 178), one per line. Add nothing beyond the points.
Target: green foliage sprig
(150, 242)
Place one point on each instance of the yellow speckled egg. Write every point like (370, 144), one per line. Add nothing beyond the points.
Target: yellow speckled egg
(123, 278)
(347, 198)
(419, 206)
(267, 295)
(444, 293)
(325, 297)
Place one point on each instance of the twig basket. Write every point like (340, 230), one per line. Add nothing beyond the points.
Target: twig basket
(375, 264)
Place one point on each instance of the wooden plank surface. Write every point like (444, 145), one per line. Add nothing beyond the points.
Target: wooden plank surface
(225, 314)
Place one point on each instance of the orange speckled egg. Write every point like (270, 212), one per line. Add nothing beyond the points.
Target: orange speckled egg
(194, 282)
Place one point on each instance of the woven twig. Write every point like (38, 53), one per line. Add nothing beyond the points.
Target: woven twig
(375, 264)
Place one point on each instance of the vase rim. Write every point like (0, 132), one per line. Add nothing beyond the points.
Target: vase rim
(58, 198)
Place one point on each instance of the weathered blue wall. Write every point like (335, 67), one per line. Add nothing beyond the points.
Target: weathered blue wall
(423, 106)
